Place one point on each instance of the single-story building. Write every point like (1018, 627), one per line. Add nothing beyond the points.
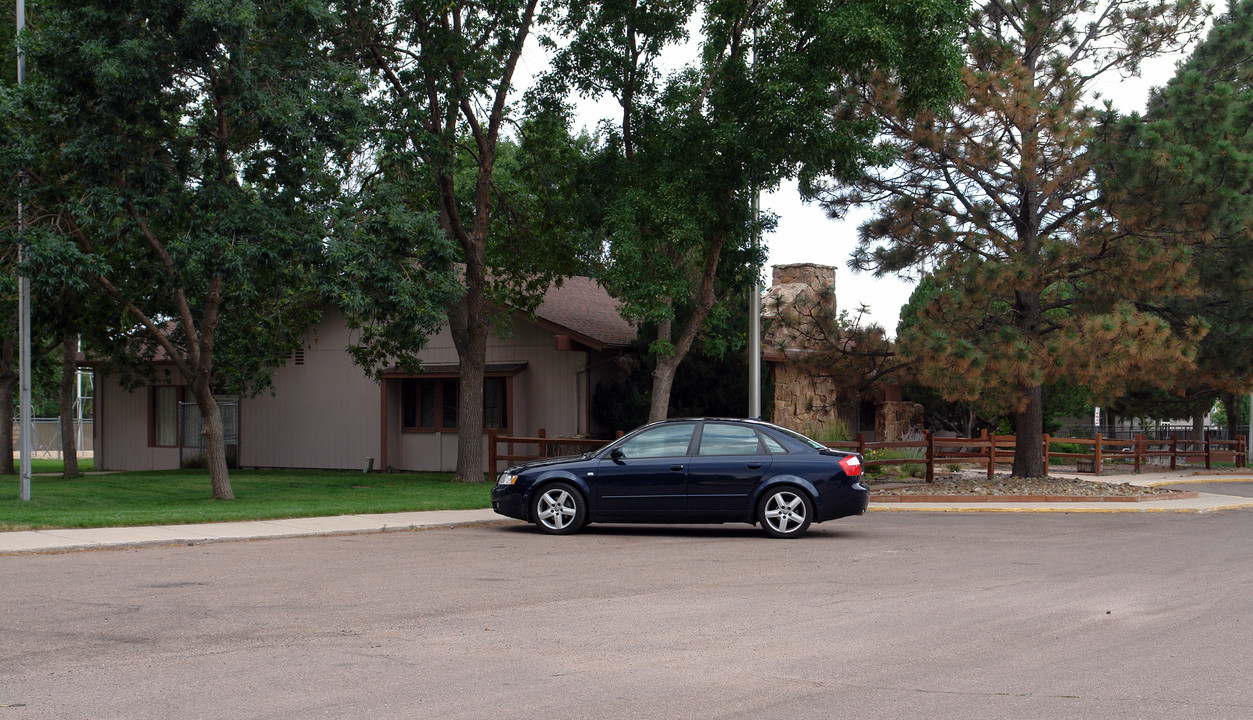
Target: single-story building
(325, 412)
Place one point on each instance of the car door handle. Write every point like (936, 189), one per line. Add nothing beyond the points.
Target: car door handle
(754, 466)
(676, 467)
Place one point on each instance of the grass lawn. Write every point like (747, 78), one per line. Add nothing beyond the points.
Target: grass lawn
(44, 465)
(171, 497)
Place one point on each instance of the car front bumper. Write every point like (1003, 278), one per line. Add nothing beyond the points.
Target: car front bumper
(508, 500)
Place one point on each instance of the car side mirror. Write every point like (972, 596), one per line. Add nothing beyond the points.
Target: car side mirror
(616, 454)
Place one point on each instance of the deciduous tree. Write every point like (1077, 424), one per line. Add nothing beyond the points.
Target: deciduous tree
(762, 103)
(181, 156)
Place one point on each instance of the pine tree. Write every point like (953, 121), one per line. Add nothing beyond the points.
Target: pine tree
(998, 200)
(1183, 173)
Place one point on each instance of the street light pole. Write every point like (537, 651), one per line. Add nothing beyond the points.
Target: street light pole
(23, 301)
(754, 326)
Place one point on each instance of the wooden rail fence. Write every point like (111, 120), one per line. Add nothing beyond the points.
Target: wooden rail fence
(540, 441)
(990, 449)
(987, 450)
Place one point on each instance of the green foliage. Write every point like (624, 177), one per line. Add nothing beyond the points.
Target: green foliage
(183, 159)
(675, 173)
(1184, 172)
(1241, 408)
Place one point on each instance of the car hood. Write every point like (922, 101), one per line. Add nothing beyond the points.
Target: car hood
(546, 462)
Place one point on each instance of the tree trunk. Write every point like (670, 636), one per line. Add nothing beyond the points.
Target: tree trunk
(213, 443)
(1029, 430)
(663, 381)
(467, 322)
(667, 365)
(1198, 425)
(8, 381)
(1029, 422)
(69, 436)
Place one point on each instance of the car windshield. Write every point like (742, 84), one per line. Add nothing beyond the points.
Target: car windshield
(808, 441)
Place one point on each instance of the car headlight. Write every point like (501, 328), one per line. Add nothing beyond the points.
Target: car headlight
(506, 478)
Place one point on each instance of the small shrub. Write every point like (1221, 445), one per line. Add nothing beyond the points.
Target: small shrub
(198, 462)
(837, 430)
(910, 469)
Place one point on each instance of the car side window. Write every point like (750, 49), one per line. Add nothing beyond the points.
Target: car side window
(772, 446)
(719, 439)
(664, 441)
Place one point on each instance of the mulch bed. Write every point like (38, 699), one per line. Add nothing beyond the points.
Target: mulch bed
(1013, 489)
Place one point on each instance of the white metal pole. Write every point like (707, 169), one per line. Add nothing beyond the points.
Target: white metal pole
(23, 303)
(754, 303)
(78, 400)
(754, 328)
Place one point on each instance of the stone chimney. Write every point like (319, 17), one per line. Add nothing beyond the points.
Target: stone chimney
(811, 274)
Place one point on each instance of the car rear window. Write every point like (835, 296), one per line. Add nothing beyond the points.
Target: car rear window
(718, 439)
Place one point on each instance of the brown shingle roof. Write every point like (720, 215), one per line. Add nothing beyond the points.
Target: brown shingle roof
(583, 307)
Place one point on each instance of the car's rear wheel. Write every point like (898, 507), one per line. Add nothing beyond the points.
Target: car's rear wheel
(558, 509)
(785, 512)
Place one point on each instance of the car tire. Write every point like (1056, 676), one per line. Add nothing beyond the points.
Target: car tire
(785, 512)
(558, 509)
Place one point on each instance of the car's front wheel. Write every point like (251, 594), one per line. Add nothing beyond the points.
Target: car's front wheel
(785, 512)
(558, 509)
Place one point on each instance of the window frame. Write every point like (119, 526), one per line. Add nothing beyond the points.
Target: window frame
(760, 448)
(180, 396)
(441, 384)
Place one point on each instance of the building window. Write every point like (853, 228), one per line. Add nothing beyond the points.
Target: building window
(163, 415)
(431, 404)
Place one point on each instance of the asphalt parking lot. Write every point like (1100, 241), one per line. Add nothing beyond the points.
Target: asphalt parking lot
(892, 615)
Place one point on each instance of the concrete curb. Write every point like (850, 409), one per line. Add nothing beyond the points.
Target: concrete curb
(75, 539)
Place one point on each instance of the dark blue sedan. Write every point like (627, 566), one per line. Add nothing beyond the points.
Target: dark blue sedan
(690, 471)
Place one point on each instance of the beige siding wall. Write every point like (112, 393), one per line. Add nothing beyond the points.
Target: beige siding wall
(122, 430)
(326, 413)
(322, 414)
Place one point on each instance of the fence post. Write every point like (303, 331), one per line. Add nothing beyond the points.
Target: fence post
(1046, 454)
(861, 444)
(1137, 446)
(926, 435)
(543, 444)
(991, 455)
(491, 453)
(1207, 451)
(1174, 450)
(1096, 455)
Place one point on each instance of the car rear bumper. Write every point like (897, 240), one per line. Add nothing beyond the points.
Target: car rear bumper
(844, 501)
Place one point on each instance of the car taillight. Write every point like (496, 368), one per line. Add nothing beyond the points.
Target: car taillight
(851, 465)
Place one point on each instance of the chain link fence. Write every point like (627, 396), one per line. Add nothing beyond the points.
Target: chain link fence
(1159, 432)
(46, 440)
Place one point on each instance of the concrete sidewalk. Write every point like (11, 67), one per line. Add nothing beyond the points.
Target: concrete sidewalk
(34, 541)
(60, 540)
